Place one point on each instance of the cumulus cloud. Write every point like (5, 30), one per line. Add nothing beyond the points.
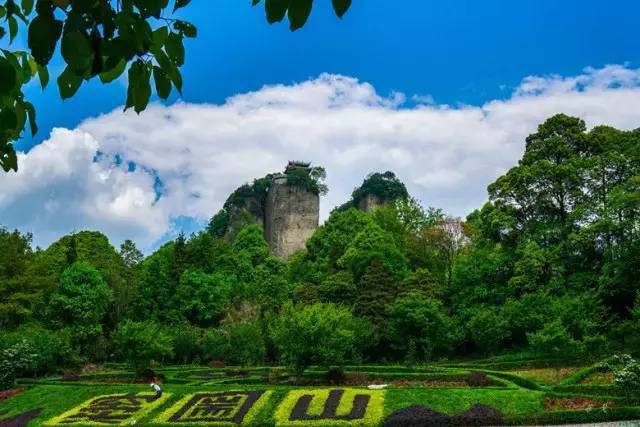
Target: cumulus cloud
(133, 176)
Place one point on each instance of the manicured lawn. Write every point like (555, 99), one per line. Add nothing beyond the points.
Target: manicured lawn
(452, 401)
(198, 396)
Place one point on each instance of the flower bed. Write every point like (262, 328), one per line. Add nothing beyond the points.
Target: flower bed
(114, 409)
(331, 407)
(228, 408)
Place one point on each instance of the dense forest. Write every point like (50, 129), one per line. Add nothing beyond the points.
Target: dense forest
(549, 265)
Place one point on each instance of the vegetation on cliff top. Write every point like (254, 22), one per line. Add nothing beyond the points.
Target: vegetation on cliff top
(250, 199)
(384, 186)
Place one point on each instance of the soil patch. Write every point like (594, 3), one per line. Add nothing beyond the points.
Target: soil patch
(7, 394)
(559, 403)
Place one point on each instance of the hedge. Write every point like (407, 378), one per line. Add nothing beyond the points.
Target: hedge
(314, 408)
(246, 408)
(147, 404)
(582, 416)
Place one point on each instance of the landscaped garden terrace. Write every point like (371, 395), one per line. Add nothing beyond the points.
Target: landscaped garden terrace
(485, 392)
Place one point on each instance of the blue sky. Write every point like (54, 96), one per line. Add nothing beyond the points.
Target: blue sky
(443, 93)
(457, 51)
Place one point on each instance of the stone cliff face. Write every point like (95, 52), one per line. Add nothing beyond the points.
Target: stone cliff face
(241, 216)
(371, 202)
(292, 215)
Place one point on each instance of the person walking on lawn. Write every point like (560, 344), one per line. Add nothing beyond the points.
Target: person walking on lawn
(157, 389)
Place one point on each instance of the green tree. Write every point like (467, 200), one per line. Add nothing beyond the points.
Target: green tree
(376, 291)
(80, 303)
(142, 344)
(422, 282)
(339, 288)
(328, 244)
(250, 246)
(372, 243)
(488, 329)
(202, 297)
(94, 249)
(130, 254)
(322, 334)
(156, 288)
(270, 287)
(23, 282)
(423, 323)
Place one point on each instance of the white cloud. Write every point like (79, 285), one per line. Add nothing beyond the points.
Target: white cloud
(200, 152)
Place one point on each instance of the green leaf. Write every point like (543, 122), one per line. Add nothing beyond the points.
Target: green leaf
(68, 83)
(186, 28)
(44, 33)
(8, 77)
(276, 10)
(8, 158)
(43, 75)
(163, 85)
(255, 2)
(299, 11)
(139, 90)
(175, 48)
(2, 32)
(62, 4)
(27, 72)
(160, 36)
(21, 118)
(176, 79)
(180, 3)
(3, 12)
(112, 74)
(149, 7)
(31, 113)
(341, 7)
(13, 28)
(8, 119)
(27, 6)
(77, 51)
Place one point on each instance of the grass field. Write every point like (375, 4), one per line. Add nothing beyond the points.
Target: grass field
(197, 396)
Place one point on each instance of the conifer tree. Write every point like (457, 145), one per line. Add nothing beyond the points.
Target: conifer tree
(376, 290)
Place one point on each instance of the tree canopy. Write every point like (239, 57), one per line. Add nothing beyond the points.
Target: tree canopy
(549, 265)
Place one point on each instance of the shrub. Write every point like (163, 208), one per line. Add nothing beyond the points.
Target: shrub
(15, 361)
(52, 349)
(553, 339)
(276, 375)
(478, 379)
(416, 416)
(626, 373)
(478, 415)
(421, 416)
(335, 376)
(217, 364)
